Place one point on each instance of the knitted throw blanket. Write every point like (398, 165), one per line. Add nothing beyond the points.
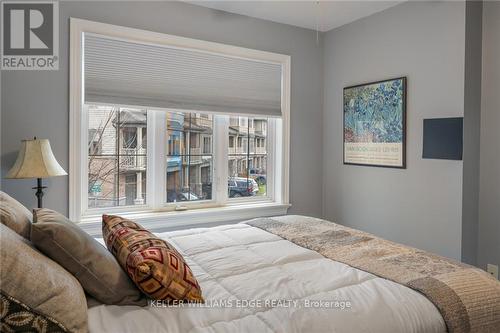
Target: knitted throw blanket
(467, 297)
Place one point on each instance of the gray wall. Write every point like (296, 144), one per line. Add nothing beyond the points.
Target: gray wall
(489, 195)
(36, 103)
(421, 205)
(472, 130)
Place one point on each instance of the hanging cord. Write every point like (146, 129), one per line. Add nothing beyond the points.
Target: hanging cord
(318, 13)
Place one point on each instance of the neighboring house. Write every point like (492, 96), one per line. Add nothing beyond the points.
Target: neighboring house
(117, 140)
(117, 143)
(189, 149)
(247, 145)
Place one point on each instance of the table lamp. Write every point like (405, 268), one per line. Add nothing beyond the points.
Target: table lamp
(36, 160)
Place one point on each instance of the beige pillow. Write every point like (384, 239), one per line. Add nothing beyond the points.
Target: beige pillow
(90, 262)
(39, 283)
(14, 215)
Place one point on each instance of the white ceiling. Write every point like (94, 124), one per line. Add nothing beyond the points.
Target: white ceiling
(320, 15)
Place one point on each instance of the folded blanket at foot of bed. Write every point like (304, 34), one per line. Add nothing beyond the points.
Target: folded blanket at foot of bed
(467, 297)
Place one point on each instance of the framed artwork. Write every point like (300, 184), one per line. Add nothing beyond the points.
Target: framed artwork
(375, 124)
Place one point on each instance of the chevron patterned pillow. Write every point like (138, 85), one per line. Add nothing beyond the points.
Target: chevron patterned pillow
(154, 265)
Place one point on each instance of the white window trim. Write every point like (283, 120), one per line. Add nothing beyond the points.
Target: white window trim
(215, 211)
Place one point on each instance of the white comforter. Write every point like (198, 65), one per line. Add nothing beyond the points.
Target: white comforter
(235, 264)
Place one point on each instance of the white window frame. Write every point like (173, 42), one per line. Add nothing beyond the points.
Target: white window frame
(155, 213)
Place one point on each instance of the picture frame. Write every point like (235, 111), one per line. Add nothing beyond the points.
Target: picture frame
(374, 123)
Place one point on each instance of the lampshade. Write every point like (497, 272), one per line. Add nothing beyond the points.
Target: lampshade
(35, 160)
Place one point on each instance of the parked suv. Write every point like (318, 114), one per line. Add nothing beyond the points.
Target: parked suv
(242, 187)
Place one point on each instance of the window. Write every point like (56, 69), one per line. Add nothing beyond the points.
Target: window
(130, 134)
(95, 141)
(247, 165)
(120, 160)
(207, 145)
(243, 122)
(191, 138)
(189, 167)
(129, 137)
(194, 139)
(117, 171)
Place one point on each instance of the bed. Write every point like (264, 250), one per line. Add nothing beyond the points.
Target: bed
(255, 281)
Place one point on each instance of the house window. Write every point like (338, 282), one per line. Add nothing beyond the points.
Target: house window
(207, 145)
(243, 121)
(191, 138)
(129, 137)
(135, 188)
(95, 141)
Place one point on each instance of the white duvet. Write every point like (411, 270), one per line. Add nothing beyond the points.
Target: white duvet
(254, 281)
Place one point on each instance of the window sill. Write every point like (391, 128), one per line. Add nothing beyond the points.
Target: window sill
(164, 221)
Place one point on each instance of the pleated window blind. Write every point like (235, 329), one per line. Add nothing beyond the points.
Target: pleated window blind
(158, 76)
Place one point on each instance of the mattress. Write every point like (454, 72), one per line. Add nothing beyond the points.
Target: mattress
(254, 281)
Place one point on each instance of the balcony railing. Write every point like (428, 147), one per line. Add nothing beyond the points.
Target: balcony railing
(203, 122)
(243, 150)
(133, 159)
(243, 129)
(260, 150)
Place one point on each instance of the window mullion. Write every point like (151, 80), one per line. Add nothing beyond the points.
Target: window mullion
(274, 155)
(220, 159)
(157, 159)
(83, 163)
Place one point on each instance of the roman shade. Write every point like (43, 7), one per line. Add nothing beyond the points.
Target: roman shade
(157, 76)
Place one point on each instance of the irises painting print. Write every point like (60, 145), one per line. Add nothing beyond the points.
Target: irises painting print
(374, 123)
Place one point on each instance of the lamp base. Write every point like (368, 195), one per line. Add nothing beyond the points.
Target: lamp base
(39, 191)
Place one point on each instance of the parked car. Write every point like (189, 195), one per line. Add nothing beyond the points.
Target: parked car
(173, 196)
(242, 187)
